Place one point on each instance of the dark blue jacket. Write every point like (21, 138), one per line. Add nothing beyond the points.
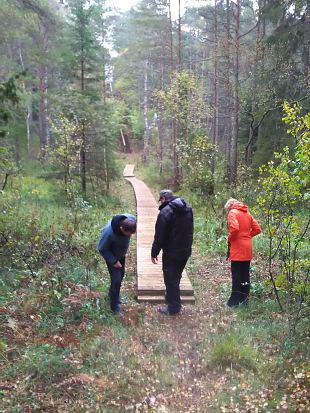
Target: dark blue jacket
(174, 230)
(113, 245)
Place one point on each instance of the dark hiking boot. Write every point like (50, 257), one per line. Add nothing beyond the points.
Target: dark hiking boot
(244, 302)
(165, 311)
(231, 303)
(119, 314)
(234, 299)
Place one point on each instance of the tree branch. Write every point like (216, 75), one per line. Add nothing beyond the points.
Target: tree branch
(249, 31)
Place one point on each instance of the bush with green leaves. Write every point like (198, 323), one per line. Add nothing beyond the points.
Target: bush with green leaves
(283, 202)
(66, 151)
(183, 103)
(9, 97)
(197, 157)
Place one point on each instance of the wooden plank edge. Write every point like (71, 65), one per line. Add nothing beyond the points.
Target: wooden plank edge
(155, 292)
(161, 299)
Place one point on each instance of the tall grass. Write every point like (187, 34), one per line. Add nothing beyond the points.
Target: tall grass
(230, 351)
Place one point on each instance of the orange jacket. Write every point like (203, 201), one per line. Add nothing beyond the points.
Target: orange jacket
(242, 228)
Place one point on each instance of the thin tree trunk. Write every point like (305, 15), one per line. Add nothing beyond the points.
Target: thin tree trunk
(161, 133)
(43, 122)
(160, 120)
(104, 92)
(263, 21)
(146, 136)
(106, 168)
(228, 90)
(5, 181)
(235, 122)
(215, 86)
(258, 59)
(306, 45)
(174, 126)
(202, 75)
(176, 165)
(83, 159)
(170, 38)
(190, 49)
(82, 71)
(179, 39)
(252, 129)
(29, 106)
(42, 40)
(215, 79)
(83, 134)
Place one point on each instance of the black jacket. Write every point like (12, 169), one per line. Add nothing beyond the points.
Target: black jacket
(174, 230)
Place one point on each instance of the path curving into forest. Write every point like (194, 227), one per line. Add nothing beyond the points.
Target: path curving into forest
(150, 282)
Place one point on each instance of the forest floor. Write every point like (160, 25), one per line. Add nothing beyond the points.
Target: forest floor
(192, 385)
(204, 360)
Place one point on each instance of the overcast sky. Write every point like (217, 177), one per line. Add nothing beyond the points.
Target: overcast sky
(127, 4)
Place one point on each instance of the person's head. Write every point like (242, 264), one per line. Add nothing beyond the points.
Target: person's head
(128, 227)
(165, 195)
(229, 203)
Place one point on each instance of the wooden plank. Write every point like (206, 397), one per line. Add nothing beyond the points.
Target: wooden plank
(161, 299)
(159, 291)
(128, 171)
(150, 283)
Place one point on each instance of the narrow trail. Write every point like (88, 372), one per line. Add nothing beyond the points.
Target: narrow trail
(179, 344)
(188, 384)
(150, 283)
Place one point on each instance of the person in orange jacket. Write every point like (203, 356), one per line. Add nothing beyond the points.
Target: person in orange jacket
(242, 228)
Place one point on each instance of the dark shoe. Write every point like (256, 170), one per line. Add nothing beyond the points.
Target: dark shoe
(119, 313)
(245, 302)
(165, 311)
(232, 304)
(234, 299)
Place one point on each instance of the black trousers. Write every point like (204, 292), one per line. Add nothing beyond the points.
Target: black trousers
(116, 278)
(240, 274)
(172, 270)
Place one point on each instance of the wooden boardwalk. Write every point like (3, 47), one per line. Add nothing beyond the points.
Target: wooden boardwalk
(151, 286)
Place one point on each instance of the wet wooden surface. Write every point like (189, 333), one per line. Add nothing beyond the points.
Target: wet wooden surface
(151, 287)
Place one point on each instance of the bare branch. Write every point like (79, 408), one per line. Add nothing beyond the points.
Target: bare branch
(249, 31)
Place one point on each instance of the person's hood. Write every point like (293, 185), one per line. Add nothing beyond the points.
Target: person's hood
(240, 206)
(177, 204)
(116, 223)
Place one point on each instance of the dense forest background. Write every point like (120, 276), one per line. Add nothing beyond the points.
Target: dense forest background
(212, 103)
(222, 70)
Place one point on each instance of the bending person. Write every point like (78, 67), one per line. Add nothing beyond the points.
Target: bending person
(113, 246)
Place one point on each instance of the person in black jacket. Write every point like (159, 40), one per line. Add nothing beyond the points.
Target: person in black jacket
(174, 236)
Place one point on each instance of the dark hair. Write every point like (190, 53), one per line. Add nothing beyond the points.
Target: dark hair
(167, 194)
(129, 225)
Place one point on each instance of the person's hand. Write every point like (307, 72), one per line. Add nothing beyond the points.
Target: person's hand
(117, 265)
(154, 260)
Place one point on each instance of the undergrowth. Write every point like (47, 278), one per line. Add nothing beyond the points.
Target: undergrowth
(61, 349)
